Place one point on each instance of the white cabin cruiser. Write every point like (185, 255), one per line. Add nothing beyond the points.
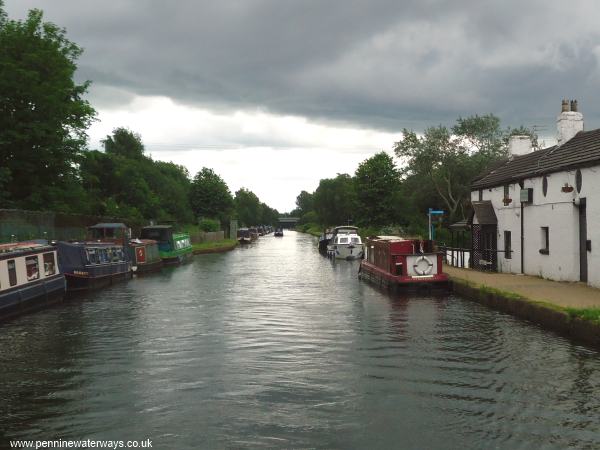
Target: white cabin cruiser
(345, 243)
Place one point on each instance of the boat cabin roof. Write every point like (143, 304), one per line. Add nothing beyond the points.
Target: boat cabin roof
(393, 239)
(107, 226)
(157, 227)
(138, 241)
(19, 247)
(345, 229)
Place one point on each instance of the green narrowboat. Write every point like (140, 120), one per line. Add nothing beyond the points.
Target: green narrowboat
(174, 248)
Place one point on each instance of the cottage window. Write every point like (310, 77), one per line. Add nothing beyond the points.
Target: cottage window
(545, 250)
(507, 245)
(545, 185)
(578, 180)
(33, 268)
(12, 272)
(480, 195)
(49, 264)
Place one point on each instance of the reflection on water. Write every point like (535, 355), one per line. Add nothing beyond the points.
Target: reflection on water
(275, 346)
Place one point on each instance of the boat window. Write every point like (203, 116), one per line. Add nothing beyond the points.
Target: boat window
(33, 267)
(343, 240)
(12, 272)
(355, 240)
(49, 264)
(103, 255)
(92, 256)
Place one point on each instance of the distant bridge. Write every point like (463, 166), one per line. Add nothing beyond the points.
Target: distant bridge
(288, 222)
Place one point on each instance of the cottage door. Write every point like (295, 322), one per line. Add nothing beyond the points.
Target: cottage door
(490, 246)
(583, 243)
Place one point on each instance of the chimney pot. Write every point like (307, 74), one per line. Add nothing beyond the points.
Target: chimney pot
(574, 105)
(565, 106)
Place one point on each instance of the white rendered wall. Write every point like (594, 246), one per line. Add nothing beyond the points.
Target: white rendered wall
(557, 212)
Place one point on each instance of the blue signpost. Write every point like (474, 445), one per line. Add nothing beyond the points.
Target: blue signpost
(433, 212)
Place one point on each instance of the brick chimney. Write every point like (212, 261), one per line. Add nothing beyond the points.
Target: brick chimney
(519, 145)
(569, 121)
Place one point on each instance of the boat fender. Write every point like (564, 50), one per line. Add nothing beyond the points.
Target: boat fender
(426, 271)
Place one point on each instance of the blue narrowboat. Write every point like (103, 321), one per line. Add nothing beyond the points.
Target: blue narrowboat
(91, 265)
(99, 261)
(29, 277)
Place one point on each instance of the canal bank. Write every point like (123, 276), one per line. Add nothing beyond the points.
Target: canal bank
(572, 309)
(222, 246)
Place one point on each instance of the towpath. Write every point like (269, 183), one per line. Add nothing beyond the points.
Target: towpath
(564, 294)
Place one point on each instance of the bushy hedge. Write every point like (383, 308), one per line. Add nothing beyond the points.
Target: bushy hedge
(209, 225)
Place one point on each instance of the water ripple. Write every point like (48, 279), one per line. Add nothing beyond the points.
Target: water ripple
(274, 346)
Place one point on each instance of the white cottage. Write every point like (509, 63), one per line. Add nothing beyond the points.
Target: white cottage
(538, 212)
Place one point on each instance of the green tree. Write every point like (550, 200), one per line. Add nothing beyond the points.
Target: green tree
(247, 206)
(304, 203)
(438, 159)
(377, 183)
(269, 216)
(130, 185)
(335, 200)
(481, 135)
(210, 196)
(125, 143)
(43, 116)
(450, 159)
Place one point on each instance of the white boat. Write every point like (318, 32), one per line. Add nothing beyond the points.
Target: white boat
(345, 243)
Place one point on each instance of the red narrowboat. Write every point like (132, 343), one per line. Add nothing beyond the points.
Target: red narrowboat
(396, 262)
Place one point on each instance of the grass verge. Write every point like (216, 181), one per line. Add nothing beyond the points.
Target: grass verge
(214, 247)
(589, 314)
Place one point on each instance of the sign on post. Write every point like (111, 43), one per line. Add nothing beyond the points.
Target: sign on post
(433, 212)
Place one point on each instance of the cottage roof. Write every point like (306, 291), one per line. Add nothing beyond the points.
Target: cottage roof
(484, 213)
(580, 151)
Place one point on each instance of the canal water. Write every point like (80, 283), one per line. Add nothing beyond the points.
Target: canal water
(274, 346)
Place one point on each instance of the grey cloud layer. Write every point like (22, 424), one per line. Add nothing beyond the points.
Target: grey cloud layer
(387, 64)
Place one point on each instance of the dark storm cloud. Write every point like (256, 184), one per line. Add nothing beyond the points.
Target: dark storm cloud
(387, 64)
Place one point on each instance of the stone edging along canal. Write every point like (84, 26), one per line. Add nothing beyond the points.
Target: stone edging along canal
(547, 315)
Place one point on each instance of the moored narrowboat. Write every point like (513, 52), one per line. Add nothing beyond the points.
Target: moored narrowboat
(91, 265)
(29, 277)
(243, 236)
(395, 262)
(253, 233)
(324, 240)
(173, 248)
(144, 256)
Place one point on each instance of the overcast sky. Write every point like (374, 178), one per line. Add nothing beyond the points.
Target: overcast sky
(276, 94)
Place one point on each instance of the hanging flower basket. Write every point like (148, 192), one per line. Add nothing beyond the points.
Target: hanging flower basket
(507, 201)
(567, 188)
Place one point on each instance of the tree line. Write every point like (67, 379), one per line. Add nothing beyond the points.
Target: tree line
(44, 160)
(429, 170)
